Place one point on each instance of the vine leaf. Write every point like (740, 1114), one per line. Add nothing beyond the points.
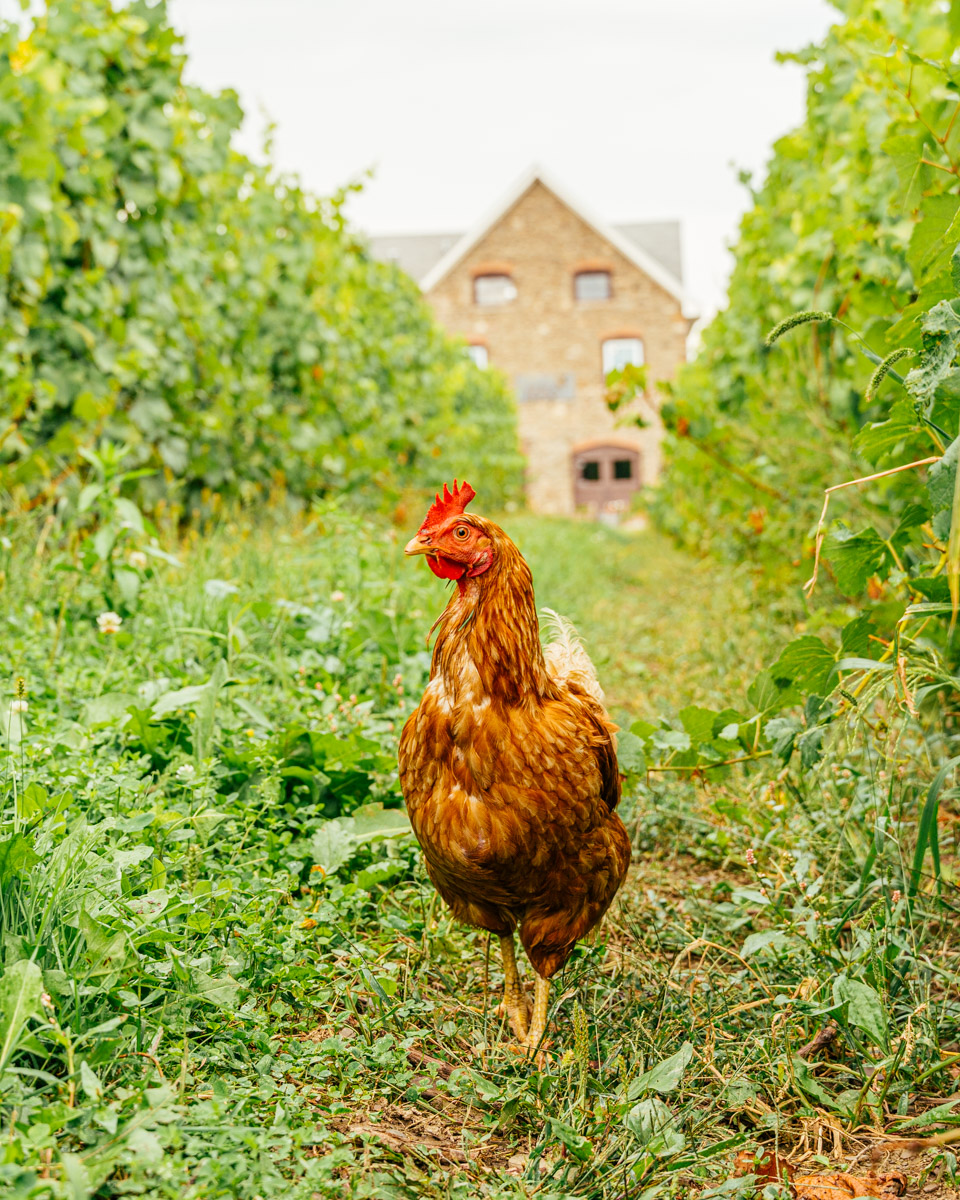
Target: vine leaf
(855, 557)
(941, 337)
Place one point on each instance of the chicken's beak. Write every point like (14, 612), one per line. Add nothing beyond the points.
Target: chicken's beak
(417, 545)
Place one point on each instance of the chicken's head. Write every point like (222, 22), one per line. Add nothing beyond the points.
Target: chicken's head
(457, 546)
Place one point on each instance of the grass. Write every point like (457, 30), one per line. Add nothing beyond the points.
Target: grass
(249, 987)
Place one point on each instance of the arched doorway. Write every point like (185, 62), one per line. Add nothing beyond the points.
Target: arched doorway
(605, 473)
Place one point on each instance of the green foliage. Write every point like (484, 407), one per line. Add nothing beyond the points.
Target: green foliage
(164, 292)
(853, 229)
(246, 983)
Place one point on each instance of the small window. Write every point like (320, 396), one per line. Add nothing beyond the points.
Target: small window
(590, 470)
(621, 352)
(622, 468)
(592, 285)
(479, 355)
(494, 289)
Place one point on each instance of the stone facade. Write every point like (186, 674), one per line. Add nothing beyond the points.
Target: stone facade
(548, 342)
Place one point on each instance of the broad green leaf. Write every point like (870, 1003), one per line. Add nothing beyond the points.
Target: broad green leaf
(808, 1081)
(630, 754)
(855, 557)
(906, 152)
(942, 477)
(769, 938)
(221, 990)
(21, 987)
(580, 1147)
(107, 709)
(183, 698)
(90, 1082)
(941, 336)
(107, 948)
(17, 856)
(865, 1009)
(655, 1128)
(782, 732)
(373, 821)
(806, 662)
(810, 745)
(665, 1076)
(880, 438)
(332, 844)
(763, 693)
(698, 722)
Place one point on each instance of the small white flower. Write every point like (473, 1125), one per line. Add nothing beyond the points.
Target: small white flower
(109, 622)
(186, 771)
(137, 559)
(337, 597)
(18, 706)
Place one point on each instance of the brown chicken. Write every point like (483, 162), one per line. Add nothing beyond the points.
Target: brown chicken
(509, 764)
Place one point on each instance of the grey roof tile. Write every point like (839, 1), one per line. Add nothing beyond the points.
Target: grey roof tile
(417, 253)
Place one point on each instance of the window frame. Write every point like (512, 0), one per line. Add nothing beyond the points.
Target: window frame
(577, 275)
(485, 352)
(494, 303)
(604, 342)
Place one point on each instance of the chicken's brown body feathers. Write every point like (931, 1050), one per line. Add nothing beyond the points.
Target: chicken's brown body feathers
(510, 775)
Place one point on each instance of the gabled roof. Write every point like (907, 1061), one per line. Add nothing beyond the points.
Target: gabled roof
(418, 253)
(415, 253)
(634, 251)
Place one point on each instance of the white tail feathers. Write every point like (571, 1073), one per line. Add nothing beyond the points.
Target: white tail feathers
(565, 656)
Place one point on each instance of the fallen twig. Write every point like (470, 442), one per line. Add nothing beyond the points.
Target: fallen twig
(824, 1037)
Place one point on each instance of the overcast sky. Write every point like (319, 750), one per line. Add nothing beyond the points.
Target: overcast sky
(643, 108)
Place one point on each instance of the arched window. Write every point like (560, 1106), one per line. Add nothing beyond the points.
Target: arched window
(619, 352)
(493, 289)
(592, 285)
(477, 352)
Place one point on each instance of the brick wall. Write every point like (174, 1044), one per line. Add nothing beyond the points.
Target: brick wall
(546, 334)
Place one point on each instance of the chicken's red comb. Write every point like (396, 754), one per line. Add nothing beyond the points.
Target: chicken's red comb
(450, 505)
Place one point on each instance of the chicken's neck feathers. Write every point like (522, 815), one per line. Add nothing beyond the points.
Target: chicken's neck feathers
(488, 643)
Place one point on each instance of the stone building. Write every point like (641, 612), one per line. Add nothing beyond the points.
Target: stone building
(555, 299)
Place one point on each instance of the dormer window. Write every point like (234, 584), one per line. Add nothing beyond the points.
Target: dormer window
(619, 352)
(493, 289)
(592, 285)
(478, 355)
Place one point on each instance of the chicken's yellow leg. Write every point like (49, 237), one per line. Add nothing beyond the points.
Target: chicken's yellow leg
(513, 997)
(541, 1002)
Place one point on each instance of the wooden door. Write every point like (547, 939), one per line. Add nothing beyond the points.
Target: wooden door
(605, 474)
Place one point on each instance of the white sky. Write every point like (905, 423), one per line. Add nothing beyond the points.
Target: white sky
(644, 109)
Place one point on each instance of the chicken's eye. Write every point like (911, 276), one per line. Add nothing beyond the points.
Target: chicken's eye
(461, 532)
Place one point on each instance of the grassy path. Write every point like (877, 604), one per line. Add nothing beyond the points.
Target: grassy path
(664, 629)
(260, 1003)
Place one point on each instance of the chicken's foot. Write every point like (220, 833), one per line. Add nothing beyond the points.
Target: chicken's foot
(513, 998)
(541, 1002)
